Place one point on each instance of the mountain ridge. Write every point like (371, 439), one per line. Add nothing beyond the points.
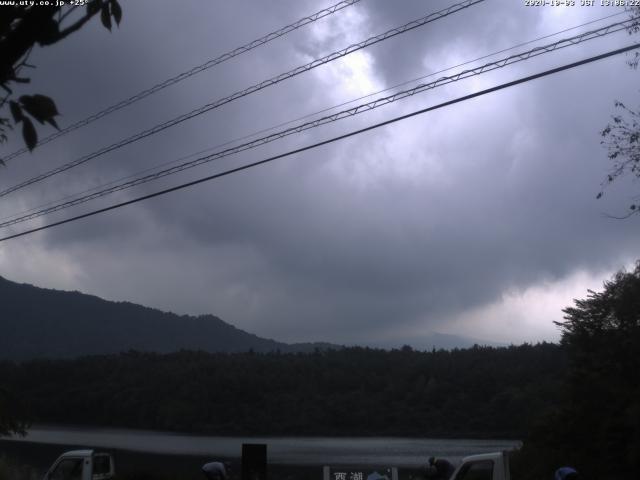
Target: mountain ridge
(47, 323)
(41, 322)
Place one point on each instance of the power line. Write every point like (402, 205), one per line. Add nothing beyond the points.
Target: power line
(331, 140)
(567, 42)
(259, 86)
(189, 73)
(289, 122)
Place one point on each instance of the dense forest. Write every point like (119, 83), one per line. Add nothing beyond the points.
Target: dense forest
(596, 424)
(479, 392)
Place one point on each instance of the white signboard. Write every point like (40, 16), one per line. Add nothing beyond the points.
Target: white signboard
(357, 473)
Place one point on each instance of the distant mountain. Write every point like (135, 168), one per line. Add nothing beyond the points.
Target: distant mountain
(37, 322)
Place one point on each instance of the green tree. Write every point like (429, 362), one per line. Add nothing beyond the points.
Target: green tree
(622, 139)
(22, 27)
(621, 136)
(602, 335)
(597, 426)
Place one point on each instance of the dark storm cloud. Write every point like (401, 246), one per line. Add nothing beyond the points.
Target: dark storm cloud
(402, 229)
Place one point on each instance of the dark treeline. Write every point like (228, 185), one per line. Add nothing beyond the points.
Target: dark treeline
(596, 425)
(479, 392)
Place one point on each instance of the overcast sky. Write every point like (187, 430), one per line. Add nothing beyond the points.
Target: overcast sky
(478, 219)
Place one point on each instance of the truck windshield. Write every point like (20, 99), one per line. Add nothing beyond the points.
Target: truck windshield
(67, 469)
(101, 465)
(482, 470)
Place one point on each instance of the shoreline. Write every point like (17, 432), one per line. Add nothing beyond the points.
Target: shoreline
(467, 436)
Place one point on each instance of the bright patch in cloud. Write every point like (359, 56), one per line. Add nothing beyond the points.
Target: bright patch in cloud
(528, 315)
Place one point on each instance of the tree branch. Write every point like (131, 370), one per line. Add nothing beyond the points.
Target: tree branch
(67, 13)
(72, 28)
(624, 217)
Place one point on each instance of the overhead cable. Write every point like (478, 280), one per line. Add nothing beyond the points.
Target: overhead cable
(242, 93)
(304, 117)
(607, 30)
(326, 142)
(189, 73)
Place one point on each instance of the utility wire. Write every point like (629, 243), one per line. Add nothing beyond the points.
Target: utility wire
(189, 73)
(242, 93)
(331, 140)
(607, 30)
(309, 115)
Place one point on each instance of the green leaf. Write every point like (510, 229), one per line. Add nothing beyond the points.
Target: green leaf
(29, 133)
(16, 111)
(105, 16)
(48, 32)
(53, 123)
(93, 6)
(116, 11)
(40, 107)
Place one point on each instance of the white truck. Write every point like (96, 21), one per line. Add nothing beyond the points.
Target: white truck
(82, 465)
(486, 466)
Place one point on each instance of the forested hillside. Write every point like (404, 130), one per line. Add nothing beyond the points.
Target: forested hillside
(43, 323)
(479, 392)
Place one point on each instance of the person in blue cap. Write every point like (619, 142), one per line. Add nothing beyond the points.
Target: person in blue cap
(439, 469)
(216, 470)
(566, 473)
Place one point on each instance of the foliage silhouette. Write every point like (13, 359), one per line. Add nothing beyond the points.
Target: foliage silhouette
(621, 136)
(22, 27)
(596, 426)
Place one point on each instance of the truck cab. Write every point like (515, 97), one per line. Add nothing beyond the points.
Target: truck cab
(487, 466)
(81, 465)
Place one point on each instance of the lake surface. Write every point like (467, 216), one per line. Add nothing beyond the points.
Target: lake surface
(281, 450)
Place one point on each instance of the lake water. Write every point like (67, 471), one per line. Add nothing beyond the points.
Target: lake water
(281, 450)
